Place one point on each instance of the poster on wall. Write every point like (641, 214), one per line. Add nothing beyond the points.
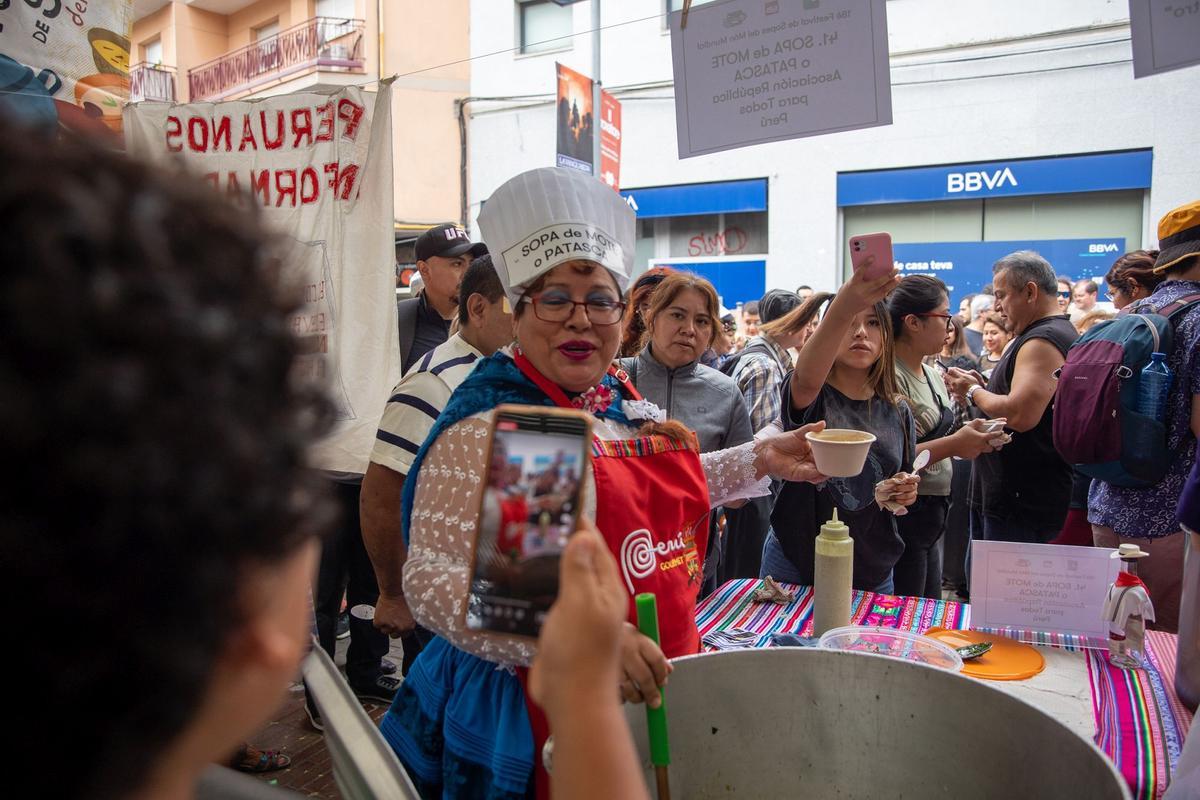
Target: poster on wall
(65, 65)
(610, 140)
(966, 267)
(319, 166)
(1164, 35)
(575, 120)
(754, 71)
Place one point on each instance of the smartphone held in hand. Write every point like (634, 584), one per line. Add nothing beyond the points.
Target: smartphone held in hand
(530, 505)
(878, 245)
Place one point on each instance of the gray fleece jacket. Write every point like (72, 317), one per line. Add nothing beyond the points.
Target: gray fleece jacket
(707, 401)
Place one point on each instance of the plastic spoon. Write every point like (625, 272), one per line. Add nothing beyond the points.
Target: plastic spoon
(969, 651)
(921, 461)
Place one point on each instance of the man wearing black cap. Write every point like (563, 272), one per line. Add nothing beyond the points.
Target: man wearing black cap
(443, 253)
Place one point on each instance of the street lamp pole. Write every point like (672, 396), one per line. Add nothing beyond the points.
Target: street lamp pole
(596, 88)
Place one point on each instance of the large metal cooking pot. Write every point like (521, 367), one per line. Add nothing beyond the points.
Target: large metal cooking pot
(808, 723)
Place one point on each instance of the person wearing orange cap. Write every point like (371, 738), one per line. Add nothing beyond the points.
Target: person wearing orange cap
(1147, 517)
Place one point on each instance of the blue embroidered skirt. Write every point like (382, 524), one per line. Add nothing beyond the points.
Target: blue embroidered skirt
(460, 727)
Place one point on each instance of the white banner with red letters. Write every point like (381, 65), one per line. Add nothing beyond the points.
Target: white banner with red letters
(320, 168)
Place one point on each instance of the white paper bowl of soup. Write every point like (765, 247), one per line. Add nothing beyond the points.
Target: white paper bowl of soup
(840, 452)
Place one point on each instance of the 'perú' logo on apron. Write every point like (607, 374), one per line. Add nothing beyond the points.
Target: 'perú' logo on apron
(639, 554)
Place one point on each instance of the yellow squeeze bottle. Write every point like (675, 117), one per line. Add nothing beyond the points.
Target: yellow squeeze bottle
(832, 573)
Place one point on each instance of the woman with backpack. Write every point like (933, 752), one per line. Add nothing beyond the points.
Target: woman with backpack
(920, 314)
(1147, 516)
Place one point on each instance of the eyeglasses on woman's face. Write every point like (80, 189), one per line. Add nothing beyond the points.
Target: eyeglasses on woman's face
(948, 317)
(555, 305)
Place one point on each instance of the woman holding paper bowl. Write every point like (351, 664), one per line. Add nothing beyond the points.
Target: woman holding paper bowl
(845, 375)
(920, 312)
(563, 246)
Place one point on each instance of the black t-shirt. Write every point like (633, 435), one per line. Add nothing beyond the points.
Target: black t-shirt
(1027, 481)
(430, 332)
(802, 508)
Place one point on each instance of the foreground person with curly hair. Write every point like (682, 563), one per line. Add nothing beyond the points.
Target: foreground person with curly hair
(159, 515)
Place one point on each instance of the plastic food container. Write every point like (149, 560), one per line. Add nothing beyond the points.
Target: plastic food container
(894, 644)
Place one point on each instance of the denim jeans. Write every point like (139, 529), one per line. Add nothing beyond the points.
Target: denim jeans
(779, 567)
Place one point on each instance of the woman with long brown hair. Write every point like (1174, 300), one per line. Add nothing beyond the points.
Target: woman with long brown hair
(846, 374)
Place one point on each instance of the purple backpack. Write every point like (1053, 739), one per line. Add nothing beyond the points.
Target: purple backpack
(1096, 424)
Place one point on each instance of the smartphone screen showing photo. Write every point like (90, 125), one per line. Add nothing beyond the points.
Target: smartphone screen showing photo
(530, 506)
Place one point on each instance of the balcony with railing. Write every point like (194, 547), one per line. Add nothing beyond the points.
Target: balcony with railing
(319, 43)
(152, 82)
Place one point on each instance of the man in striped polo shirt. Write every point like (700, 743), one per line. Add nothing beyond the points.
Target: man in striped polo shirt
(485, 325)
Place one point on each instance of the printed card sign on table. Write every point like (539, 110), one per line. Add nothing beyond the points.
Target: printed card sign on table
(1041, 593)
(1165, 35)
(319, 166)
(755, 71)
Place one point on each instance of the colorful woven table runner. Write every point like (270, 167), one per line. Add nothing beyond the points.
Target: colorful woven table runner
(731, 607)
(1140, 723)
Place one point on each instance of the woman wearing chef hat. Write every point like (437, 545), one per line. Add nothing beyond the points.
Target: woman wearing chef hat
(563, 246)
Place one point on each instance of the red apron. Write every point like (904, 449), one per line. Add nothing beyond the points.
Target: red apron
(651, 508)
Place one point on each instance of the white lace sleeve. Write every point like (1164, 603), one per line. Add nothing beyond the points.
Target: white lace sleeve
(445, 515)
(730, 475)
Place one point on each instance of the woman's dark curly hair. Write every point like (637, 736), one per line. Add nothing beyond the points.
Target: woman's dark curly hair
(157, 437)
(1135, 268)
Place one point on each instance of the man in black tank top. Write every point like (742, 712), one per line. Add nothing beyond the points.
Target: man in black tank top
(1025, 488)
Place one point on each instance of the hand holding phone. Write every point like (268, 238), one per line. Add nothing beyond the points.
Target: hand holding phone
(529, 506)
(875, 248)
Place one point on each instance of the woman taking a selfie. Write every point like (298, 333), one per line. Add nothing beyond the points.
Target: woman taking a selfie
(565, 246)
(846, 375)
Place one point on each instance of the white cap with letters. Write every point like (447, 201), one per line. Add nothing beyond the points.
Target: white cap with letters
(547, 216)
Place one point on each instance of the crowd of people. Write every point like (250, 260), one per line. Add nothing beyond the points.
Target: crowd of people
(165, 510)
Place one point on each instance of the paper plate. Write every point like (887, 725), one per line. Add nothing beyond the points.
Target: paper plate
(1008, 660)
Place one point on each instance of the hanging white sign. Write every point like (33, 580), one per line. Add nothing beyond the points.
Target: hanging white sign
(754, 71)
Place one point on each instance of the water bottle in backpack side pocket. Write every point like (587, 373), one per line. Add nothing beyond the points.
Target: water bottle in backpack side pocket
(1154, 386)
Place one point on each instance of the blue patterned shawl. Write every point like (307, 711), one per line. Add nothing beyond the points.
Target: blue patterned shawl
(496, 380)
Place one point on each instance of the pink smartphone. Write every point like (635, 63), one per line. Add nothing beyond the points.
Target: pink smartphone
(872, 244)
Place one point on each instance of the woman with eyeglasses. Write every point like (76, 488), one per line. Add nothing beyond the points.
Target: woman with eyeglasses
(1132, 278)
(564, 243)
(920, 317)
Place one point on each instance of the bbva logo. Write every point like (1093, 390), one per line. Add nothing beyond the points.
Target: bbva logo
(1102, 248)
(974, 181)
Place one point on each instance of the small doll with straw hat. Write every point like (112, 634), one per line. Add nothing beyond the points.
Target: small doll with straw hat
(1126, 609)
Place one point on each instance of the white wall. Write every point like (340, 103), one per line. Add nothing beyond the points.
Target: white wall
(1039, 78)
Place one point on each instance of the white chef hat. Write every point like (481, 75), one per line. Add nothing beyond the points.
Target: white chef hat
(546, 216)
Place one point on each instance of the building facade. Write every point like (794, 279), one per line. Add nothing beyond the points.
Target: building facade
(1015, 124)
(213, 50)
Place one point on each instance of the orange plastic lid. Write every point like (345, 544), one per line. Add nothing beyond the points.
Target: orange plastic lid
(1008, 660)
